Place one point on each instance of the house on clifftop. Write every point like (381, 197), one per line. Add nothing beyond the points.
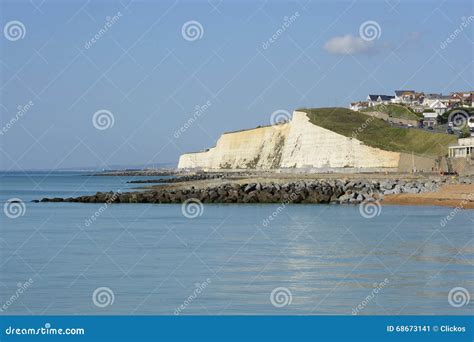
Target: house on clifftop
(374, 100)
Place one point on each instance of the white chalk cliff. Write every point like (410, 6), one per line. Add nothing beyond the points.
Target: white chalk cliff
(296, 144)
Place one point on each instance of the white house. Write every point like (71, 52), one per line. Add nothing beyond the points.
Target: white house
(404, 96)
(463, 149)
(465, 98)
(357, 106)
(430, 119)
(374, 100)
(438, 106)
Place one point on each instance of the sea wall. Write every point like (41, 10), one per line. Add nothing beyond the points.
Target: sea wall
(463, 166)
(410, 162)
(297, 144)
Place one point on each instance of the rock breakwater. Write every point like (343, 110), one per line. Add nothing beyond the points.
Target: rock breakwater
(298, 191)
(179, 179)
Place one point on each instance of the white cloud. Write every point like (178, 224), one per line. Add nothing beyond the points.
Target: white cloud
(348, 45)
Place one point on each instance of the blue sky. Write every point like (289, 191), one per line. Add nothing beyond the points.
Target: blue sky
(151, 80)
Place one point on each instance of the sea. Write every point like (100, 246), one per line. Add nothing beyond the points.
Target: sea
(225, 259)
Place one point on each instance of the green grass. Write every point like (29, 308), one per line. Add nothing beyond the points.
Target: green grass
(395, 111)
(378, 133)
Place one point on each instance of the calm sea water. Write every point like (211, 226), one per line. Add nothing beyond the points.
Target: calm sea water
(151, 259)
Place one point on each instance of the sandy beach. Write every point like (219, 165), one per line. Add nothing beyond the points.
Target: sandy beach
(450, 195)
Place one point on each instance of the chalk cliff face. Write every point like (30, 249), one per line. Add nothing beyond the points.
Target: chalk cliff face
(297, 144)
(259, 148)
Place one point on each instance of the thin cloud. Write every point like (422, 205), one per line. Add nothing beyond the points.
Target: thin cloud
(348, 45)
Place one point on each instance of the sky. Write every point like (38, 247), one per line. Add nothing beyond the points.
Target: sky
(104, 83)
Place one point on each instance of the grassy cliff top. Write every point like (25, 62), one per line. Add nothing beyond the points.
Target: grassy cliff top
(395, 111)
(378, 133)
